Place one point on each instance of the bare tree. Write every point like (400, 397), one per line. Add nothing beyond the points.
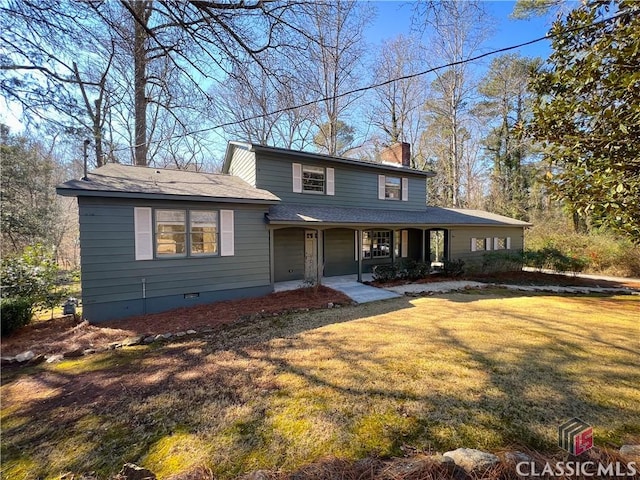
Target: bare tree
(457, 32)
(397, 108)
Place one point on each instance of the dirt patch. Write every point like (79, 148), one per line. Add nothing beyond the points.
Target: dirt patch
(64, 334)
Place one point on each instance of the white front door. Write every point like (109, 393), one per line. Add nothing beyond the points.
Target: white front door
(310, 255)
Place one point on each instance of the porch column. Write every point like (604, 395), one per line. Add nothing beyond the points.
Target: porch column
(392, 247)
(319, 259)
(272, 271)
(359, 255)
(424, 246)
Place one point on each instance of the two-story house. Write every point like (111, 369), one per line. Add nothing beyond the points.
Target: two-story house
(155, 239)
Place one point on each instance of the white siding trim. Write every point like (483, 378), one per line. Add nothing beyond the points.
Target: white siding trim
(487, 243)
(297, 177)
(331, 184)
(405, 189)
(473, 244)
(404, 243)
(381, 187)
(355, 236)
(227, 248)
(143, 236)
(508, 243)
(495, 243)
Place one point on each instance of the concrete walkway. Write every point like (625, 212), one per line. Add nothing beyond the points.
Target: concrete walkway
(347, 284)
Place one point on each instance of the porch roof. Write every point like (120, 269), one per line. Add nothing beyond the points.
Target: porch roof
(344, 216)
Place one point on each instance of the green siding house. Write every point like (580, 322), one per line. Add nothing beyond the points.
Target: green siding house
(156, 239)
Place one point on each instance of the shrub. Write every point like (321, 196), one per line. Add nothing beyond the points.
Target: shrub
(553, 259)
(385, 273)
(410, 269)
(502, 262)
(453, 268)
(16, 312)
(33, 276)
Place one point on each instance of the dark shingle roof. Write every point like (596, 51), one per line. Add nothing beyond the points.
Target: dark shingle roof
(115, 180)
(299, 155)
(430, 216)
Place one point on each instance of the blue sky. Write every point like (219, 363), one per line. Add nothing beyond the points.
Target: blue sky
(394, 17)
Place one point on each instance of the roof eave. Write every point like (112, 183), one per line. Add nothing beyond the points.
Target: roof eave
(71, 192)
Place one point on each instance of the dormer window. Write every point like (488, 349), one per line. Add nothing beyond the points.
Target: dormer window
(313, 179)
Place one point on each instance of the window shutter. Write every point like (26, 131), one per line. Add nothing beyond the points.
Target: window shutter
(487, 243)
(381, 182)
(473, 244)
(297, 177)
(331, 188)
(404, 243)
(143, 233)
(226, 233)
(508, 243)
(495, 243)
(405, 189)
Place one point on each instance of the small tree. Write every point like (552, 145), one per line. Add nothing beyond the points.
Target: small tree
(32, 278)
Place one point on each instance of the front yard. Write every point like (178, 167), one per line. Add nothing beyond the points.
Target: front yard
(485, 369)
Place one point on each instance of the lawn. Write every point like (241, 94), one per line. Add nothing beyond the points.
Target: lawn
(488, 369)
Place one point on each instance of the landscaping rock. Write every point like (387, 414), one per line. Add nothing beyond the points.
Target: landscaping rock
(517, 457)
(25, 356)
(132, 341)
(167, 335)
(330, 305)
(7, 360)
(37, 360)
(55, 358)
(78, 352)
(471, 460)
(131, 471)
(180, 334)
(630, 451)
(90, 351)
(149, 339)
(191, 332)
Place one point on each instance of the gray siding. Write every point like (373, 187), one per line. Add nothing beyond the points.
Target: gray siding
(354, 186)
(288, 254)
(243, 165)
(339, 252)
(112, 280)
(460, 243)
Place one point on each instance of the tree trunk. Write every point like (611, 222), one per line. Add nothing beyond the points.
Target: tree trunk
(141, 10)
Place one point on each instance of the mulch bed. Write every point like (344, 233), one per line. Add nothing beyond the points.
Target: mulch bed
(65, 334)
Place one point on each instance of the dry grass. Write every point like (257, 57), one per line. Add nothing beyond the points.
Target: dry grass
(488, 370)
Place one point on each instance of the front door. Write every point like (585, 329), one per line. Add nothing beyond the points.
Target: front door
(311, 255)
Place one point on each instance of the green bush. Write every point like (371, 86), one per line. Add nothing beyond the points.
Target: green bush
(453, 268)
(16, 312)
(553, 259)
(33, 276)
(385, 273)
(410, 269)
(502, 262)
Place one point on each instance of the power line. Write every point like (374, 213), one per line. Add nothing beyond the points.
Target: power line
(387, 82)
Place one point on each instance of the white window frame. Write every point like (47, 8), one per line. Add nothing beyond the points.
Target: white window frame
(216, 242)
(404, 188)
(315, 170)
(156, 242)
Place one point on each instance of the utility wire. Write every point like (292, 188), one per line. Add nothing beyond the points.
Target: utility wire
(387, 82)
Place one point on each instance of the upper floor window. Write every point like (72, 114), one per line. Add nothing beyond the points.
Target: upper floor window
(392, 188)
(313, 179)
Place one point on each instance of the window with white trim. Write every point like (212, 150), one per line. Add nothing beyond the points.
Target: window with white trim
(376, 244)
(171, 233)
(502, 243)
(313, 179)
(392, 188)
(203, 232)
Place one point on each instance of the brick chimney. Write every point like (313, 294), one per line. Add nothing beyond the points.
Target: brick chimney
(398, 153)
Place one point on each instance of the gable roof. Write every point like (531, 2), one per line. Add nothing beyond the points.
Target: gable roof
(115, 180)
(430, 216)
(299, 155)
